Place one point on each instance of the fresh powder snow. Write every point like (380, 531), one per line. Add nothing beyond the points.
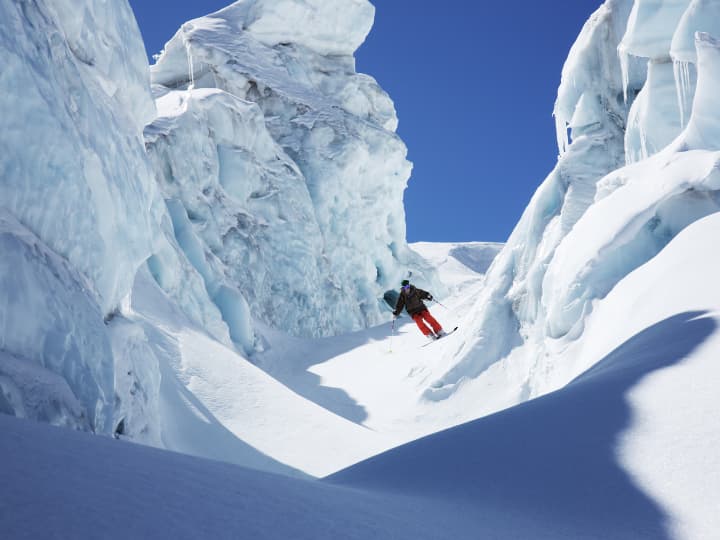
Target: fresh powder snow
(203, 255)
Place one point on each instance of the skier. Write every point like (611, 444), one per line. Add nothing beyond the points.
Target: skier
(411, 298)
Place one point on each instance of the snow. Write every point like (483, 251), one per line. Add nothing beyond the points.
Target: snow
(215, 403)
(66, 485)
(670, 444)
(205, 265)
(626, 450)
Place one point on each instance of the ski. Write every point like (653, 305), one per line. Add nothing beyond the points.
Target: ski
(438, 339)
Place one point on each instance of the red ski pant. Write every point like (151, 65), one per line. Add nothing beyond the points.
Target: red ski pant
(425, 317)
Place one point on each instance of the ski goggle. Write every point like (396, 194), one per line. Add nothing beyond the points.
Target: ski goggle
(405, 287)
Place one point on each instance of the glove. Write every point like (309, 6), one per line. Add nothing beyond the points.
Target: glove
(430, 297)
(395, 315)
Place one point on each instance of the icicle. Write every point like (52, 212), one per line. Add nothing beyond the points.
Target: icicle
(683, 87)
(188, 51)
(644, 152)
(561, 131)
(625, 70)
(190, 65)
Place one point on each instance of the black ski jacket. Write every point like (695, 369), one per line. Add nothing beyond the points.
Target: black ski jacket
(412, 301)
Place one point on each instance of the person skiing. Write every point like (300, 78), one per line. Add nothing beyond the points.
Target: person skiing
(411, 298)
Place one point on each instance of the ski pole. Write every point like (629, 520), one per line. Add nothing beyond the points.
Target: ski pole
(392, 334)
(443, 305)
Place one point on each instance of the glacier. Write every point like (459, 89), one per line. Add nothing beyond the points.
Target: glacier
(66, 76)
(195, 256)
(79, 207)
(292, 208)
(251, 172)
(600, 214)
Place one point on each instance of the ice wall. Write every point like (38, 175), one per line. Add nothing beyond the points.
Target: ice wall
(284, 164)
(595, 219)
(591, 107)
(56, 362)
(79, 211)
(260, 180)
(657, 116)
(71, 75)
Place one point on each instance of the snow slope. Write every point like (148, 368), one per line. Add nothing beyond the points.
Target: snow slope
(215, 403)
(629, 446)
(376, 377)
(302, 406)
(626, 451)
(60, 484)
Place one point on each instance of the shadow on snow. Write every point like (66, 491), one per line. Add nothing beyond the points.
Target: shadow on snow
(299, 379)
(550, 464)
(198, 431)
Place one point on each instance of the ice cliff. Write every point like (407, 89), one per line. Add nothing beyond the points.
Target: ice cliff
(252, 173)
(281, 167)
(78, 210)
(637, 122)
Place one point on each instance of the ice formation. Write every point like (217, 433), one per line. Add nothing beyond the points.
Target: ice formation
(282, 166)
(51, 322)
(593, 220)
(590, 102)
(86, 193)
(259, 180)
(79, 207)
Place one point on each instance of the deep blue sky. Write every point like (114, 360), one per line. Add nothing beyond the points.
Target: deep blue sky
(474, 84)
